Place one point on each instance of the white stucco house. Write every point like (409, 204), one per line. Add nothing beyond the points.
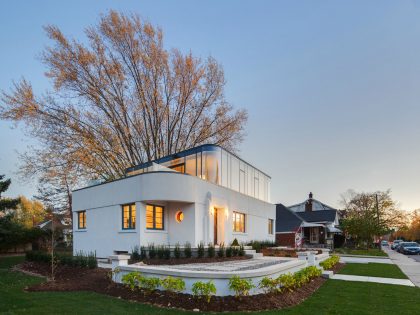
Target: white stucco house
(205, 194)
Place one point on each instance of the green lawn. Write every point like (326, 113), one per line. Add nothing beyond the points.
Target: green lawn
(334, 297)
(362, 252)
(373, 270)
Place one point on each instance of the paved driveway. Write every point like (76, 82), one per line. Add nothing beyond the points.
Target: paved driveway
(415, 257)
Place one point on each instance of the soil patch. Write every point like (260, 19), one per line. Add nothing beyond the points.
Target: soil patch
(285, 252)
(337, 267)
(192, 260)
(97, 280)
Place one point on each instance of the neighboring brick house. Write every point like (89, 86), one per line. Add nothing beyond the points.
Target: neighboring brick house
(307, 224)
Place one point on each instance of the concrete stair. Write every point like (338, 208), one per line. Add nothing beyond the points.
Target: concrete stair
(252, 252)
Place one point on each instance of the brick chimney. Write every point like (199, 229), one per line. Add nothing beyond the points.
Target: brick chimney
(308, 204)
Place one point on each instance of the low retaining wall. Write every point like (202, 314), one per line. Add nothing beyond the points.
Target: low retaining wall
(220, 278)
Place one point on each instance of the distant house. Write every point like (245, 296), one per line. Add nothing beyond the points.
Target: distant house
(307, 224)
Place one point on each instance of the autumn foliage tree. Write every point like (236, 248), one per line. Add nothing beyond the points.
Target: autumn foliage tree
(366, 215)
(119, 99)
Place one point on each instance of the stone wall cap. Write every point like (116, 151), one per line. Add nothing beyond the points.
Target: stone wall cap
(119, 257)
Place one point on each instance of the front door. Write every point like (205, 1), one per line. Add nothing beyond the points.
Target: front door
(314, 237)
(215, 227)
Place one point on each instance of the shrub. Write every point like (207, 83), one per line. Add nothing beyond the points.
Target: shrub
(161, 251)
(241, 251)
(200, 250)
(91, 260)
(149, 284)
(229, 251)
(173, 284)
(221, 252)
(301, 277)
(167, 252)
(131, 279)
(211, 251)
(287, 282)
(143, 253)
(152, 251)
(241, 287)
(259, 245)
(135, 253)
(204, 289)
(235, 251)
(256, 246)
(187, 250)
(235, 242)
(269, 285)
(330, 262)
(177, 251)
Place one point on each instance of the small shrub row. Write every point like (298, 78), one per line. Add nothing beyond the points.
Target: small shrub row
(81, 259)
(330, 262)
(135, 280)
(289, 282)
(164, 252)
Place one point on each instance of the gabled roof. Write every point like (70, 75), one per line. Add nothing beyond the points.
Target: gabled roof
(286, 220)
(318, 216)
(316, 206)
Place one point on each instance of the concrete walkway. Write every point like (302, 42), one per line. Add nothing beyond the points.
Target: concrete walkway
(408, 265)
(405, 282)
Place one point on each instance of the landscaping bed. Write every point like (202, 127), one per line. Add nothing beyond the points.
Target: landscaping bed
(98, 280)
(191, 260)
(285, 252)
(361, 252)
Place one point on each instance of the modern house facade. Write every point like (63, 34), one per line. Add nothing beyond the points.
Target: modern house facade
(205, 194)
(307, 224)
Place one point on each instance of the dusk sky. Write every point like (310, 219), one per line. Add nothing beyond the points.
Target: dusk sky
(332, 88)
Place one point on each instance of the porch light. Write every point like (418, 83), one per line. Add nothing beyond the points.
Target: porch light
(212, 210)
(227, 212)
(179, 216)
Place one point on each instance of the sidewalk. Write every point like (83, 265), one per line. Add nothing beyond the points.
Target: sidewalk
(365, 260)
(405, 282)
(408, 265)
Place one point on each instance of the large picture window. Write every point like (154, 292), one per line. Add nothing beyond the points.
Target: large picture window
(129, 216)
(154, 217)
(270, 226)
(238, 222)
(81, 220)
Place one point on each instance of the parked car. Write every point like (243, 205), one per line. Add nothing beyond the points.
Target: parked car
(384, 243)
(409, 248)
(395, 244)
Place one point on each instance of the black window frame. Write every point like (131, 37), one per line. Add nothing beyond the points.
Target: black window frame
(270, 226)
(83, 213)
(130, 216)
(154, 217)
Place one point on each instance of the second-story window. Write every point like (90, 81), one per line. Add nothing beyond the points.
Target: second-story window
(129, 216)
(81, 220)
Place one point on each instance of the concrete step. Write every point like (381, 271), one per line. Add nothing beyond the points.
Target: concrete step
(247, 247)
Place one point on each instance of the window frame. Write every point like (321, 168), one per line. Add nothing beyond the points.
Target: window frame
(83, 213)
(241, 214)
(270, 226)
(154, 228)
(130, 216)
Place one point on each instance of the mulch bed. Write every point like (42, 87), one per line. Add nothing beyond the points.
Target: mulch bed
(192, 260)
(337, 267)
(97, 280)
(284, 252)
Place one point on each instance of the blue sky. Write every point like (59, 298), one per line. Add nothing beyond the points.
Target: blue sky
(332, 88)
